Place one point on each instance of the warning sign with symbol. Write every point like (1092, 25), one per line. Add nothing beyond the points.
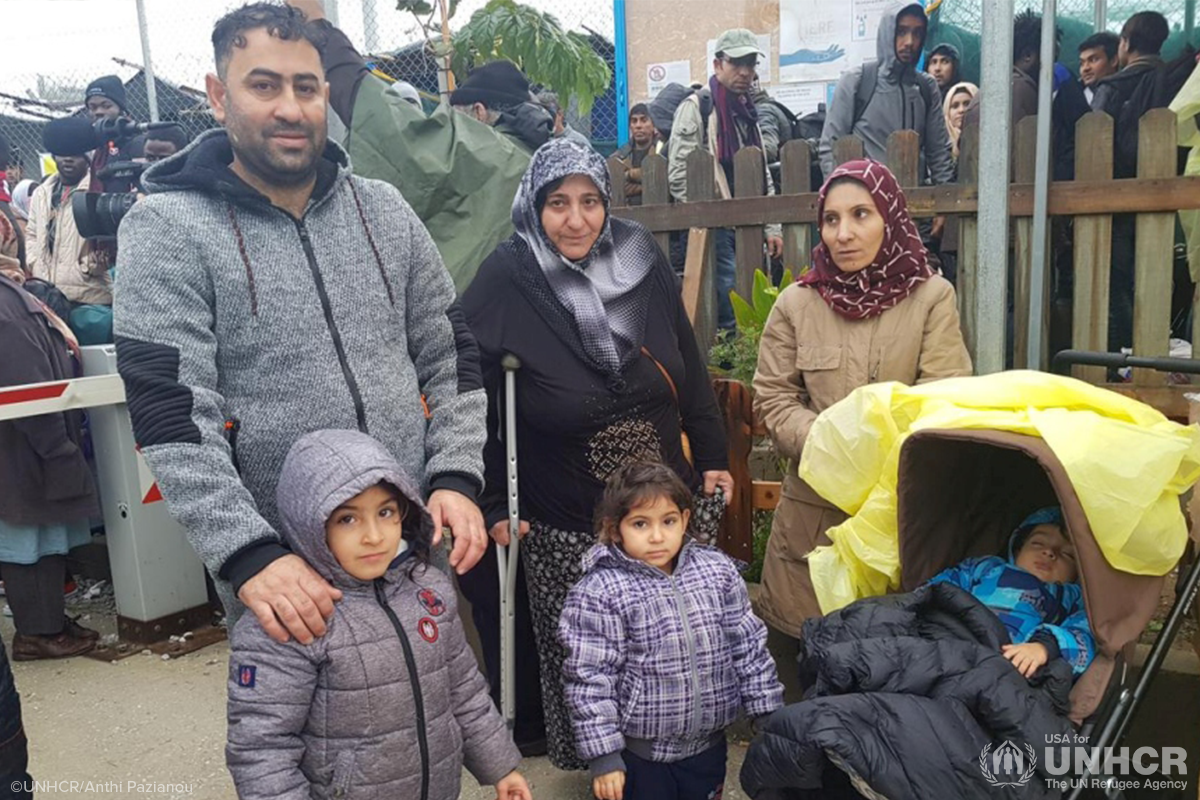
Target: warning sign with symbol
(659, 75)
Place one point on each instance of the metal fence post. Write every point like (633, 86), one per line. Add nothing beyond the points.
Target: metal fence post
(1041, 190)
(995, 139)
(1101, 15)
(331, 12)
(147, 64)
(621, 72)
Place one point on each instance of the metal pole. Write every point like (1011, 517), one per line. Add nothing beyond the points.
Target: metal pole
(995, 142)
(331, 12)
(1041, 190)
(1101, 20)
(1189, 20)
(370, 27)
(147, 64)
(621, 78)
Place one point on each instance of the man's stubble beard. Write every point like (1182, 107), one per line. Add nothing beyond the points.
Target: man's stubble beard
(253, 151)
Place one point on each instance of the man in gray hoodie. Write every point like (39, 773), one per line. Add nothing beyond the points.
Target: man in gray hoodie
(876, 100)
(265, 292)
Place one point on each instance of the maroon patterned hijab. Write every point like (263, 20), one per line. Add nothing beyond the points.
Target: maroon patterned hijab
(901, 265)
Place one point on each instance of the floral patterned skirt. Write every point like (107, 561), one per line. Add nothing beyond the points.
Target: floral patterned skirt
(553, 560)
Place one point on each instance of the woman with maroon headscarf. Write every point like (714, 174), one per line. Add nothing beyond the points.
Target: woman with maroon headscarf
(870, 310)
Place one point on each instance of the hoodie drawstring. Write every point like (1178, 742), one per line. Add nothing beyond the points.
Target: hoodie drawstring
(241, 243)
(371, 240)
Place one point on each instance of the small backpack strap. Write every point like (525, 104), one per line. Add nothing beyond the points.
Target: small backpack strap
(866, 90)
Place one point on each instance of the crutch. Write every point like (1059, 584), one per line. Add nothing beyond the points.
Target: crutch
(506, 557)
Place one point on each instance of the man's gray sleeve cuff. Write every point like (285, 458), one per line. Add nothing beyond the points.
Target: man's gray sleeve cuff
(610, 762)
(461, 482)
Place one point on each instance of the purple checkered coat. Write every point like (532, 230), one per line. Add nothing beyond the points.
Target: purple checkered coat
(663, 661)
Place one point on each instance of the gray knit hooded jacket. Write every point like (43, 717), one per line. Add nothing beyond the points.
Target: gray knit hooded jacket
(240, 328)
(389, 703)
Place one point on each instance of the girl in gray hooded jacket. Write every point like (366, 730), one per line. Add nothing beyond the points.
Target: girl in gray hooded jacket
(389, 703)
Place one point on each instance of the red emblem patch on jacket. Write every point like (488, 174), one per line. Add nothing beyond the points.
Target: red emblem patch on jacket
(432, 602)
(247, 676)
(428, 629)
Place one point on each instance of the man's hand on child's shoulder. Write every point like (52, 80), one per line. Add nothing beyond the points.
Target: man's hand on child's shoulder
(513, 787)
(290, 599)
(610, 786)
(1027, 658)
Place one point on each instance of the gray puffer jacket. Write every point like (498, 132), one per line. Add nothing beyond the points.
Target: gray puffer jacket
(389, 703)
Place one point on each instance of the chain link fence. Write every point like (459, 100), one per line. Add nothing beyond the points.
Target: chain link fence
(62, 47)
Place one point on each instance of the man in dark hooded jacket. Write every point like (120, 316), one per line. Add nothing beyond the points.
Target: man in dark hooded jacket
(903, 99)
(497, 94)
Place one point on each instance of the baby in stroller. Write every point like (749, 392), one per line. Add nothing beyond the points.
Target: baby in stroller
(1034, 593)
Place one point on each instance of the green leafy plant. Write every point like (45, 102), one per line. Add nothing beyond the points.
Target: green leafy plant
(762, 299)
(735, 354)
(563, 61)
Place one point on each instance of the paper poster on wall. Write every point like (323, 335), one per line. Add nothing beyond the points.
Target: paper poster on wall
(661, 74)
(764, 64)
(800, 98)
(819, 40)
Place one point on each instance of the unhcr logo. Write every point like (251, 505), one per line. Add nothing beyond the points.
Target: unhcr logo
(1007, 765)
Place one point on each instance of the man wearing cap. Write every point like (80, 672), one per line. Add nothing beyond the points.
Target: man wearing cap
(944, 66)
(105, 101)
(722, 119)
(54, 249)
(643, 140)
(497, 94)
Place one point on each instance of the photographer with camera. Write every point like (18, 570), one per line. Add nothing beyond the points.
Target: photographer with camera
(55, 249)
(105, 101)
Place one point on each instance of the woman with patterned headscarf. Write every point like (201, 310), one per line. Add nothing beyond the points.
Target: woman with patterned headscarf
(609, 373)
(870, 310)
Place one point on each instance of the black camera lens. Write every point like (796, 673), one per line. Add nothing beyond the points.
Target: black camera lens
(99, 215)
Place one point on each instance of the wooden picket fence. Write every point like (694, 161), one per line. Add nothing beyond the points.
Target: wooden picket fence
(1091, 199)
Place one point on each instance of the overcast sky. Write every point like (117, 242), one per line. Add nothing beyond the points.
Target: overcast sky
(73, 41)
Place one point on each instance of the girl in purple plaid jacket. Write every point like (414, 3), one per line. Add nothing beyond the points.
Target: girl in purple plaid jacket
(664, 651)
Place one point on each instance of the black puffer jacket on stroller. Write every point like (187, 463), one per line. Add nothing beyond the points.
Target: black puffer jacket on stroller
(904, 693)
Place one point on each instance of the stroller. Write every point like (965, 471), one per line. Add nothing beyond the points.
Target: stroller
(961, 493)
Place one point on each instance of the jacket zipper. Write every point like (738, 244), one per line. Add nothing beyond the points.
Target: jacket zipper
(351, 383)
(681, 606)
(415, 681)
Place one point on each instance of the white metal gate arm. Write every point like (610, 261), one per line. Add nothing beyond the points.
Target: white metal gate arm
(33, 399)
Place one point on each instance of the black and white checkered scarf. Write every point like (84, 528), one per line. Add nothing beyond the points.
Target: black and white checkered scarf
(600, 291)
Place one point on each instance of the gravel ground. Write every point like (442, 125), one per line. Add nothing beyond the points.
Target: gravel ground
(144, 720)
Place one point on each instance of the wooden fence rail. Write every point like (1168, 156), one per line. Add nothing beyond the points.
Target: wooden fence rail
(1091, 200)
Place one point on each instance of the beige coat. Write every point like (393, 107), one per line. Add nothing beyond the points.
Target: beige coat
(74, 266)
(810, 358)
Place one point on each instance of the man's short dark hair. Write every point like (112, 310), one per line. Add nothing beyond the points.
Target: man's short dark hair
(281, 21)
(1104, 39)
(174, 134)
(1027, 35)
(1146, 31)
